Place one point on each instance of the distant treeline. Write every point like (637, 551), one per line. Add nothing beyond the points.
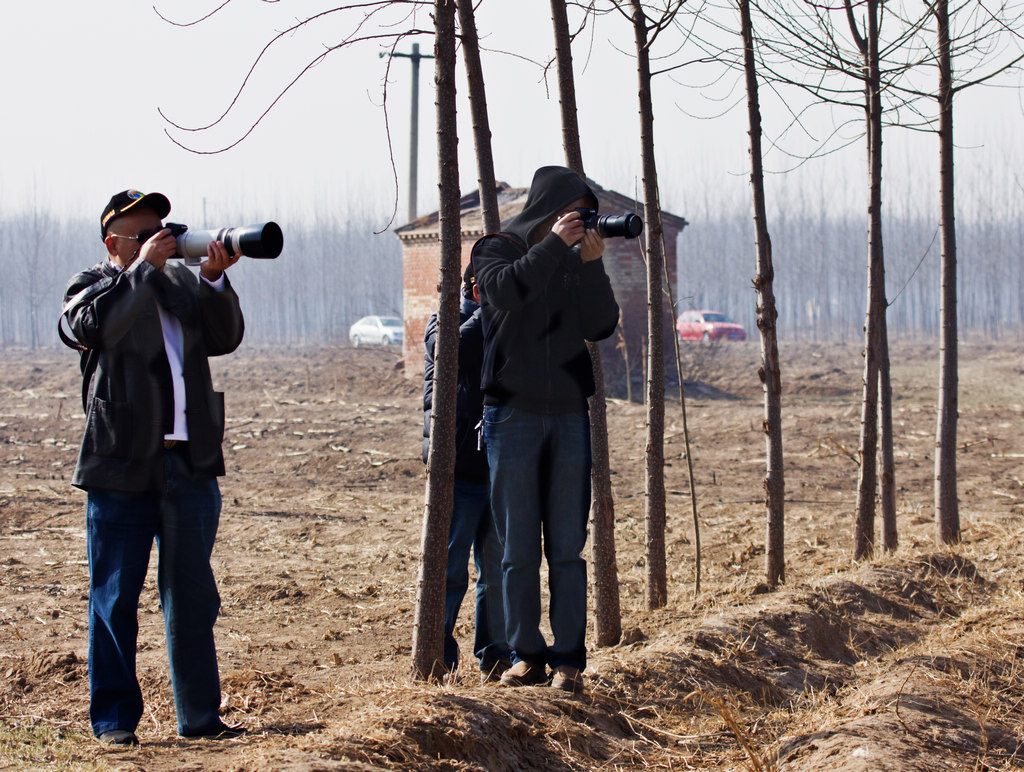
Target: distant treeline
(331, 273)
(334, 271)
(821, 274)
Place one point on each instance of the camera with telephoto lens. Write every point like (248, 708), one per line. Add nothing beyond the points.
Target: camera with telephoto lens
(628, 226)
(263, 241)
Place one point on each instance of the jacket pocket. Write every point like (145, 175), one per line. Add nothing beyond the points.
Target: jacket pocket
(108, 431)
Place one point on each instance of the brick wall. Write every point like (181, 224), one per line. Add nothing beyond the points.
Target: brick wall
(421, 275)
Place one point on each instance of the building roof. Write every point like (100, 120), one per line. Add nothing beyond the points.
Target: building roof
(511, 201)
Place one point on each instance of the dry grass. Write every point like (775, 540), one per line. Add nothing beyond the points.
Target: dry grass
(912, 661)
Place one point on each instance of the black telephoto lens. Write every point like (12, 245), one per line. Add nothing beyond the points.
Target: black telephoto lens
(264, 240)
(627, 226)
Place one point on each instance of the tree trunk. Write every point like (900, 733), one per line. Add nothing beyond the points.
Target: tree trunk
(890, 536)
(686, 442)
(654, 537)
(887, 476)
(947, 512)
(428, 630)
(767, 314)
(874, 324)
(481, 123)
(607, 610)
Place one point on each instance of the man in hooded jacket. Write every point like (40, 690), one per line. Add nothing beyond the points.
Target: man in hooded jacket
(544, 294)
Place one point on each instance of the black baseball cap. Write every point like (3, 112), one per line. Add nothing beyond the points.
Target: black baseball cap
(130, 199)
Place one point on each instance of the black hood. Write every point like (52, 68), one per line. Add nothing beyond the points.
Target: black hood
(552, 190)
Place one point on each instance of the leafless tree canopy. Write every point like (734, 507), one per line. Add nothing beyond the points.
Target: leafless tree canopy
(818, 284)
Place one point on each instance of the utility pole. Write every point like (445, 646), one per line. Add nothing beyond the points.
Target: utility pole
(414, 125)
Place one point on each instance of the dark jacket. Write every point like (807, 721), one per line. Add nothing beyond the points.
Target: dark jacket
(541, 304)
(470, 456)
(127, 391)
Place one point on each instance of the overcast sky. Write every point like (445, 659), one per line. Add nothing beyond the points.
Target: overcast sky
(83, 82)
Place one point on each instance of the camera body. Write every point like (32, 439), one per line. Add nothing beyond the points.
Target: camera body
(264, 241)
(627, 226)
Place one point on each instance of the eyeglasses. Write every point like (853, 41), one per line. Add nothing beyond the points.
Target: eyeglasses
(121, 236)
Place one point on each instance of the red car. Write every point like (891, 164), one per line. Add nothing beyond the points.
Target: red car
(708, 326)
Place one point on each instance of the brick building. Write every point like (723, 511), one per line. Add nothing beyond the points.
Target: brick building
(624, 263)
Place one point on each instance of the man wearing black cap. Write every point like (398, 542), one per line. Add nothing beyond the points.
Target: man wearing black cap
(150, 456)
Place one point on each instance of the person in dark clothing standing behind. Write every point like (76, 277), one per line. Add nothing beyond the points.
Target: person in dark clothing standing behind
(544, 294)
(150, 455)
(472, 525)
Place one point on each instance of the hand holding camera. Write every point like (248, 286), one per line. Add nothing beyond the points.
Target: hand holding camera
(569, 227)
(262, 241)
(218, 260)
(587, 228)
(627, 226)
(157, 247)
(591, 246)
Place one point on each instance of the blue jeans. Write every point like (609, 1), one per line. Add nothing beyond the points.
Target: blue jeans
(540, 493)
(473, 527)
(120, 530)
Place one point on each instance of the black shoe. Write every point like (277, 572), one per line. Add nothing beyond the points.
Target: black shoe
(219, 731)
(118, 737)
(493, 671)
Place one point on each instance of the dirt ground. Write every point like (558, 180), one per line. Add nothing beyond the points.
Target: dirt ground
(909, 661)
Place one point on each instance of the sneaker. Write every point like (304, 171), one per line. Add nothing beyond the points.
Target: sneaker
(568, 679)
(494, 671)
(219, 731)
(524, 673)
(118, 737)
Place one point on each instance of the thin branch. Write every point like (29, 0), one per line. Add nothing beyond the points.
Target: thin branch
(190, 23)
(916, 269)
(985, 78)
(286, 32)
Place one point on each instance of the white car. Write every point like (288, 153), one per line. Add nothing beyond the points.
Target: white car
(376, 330)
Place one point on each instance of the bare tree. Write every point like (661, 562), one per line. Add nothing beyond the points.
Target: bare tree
(645, 32)
(947, 506)
(810, 40)
(607, 611)
(769, 372)
(981, 36)
(686, 442)
(887, 71)
(874, 324)
(646, 29)
(428, 630)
